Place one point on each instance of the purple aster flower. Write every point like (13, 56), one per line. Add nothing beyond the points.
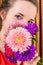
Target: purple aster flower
(22, 56)
(26, 55)
(32, 28)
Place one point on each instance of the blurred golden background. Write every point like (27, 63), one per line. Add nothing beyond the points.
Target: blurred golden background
(39, 22)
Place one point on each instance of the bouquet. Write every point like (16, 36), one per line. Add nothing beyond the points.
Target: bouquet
(18, 42)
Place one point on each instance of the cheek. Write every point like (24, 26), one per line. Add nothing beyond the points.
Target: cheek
(7, 22)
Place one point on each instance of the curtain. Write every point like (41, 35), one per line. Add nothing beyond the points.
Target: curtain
(39, 22)
(38, 34)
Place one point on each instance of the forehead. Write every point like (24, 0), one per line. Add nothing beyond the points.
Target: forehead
(25, 7)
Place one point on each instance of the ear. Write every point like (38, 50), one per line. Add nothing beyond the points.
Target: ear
(2, 14)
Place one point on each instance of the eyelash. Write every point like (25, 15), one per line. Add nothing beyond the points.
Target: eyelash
(30, 20)
(19, 17)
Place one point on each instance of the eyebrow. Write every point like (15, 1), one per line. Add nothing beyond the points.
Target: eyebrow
(31, 19)
(21, 14)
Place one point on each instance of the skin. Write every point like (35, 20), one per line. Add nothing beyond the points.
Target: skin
(26, 11)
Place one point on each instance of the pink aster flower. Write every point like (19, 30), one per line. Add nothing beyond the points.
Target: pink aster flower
(18, 39)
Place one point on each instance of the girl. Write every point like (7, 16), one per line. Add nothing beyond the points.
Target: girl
(23, 11)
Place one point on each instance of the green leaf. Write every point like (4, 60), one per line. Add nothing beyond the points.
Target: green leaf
(33, 40)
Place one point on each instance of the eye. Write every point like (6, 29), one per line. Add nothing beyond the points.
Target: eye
(19, 17)
(30, 20)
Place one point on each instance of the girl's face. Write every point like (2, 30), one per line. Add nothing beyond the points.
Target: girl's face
(22, 11)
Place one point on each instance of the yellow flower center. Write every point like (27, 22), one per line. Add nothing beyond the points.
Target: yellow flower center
(19, 39)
